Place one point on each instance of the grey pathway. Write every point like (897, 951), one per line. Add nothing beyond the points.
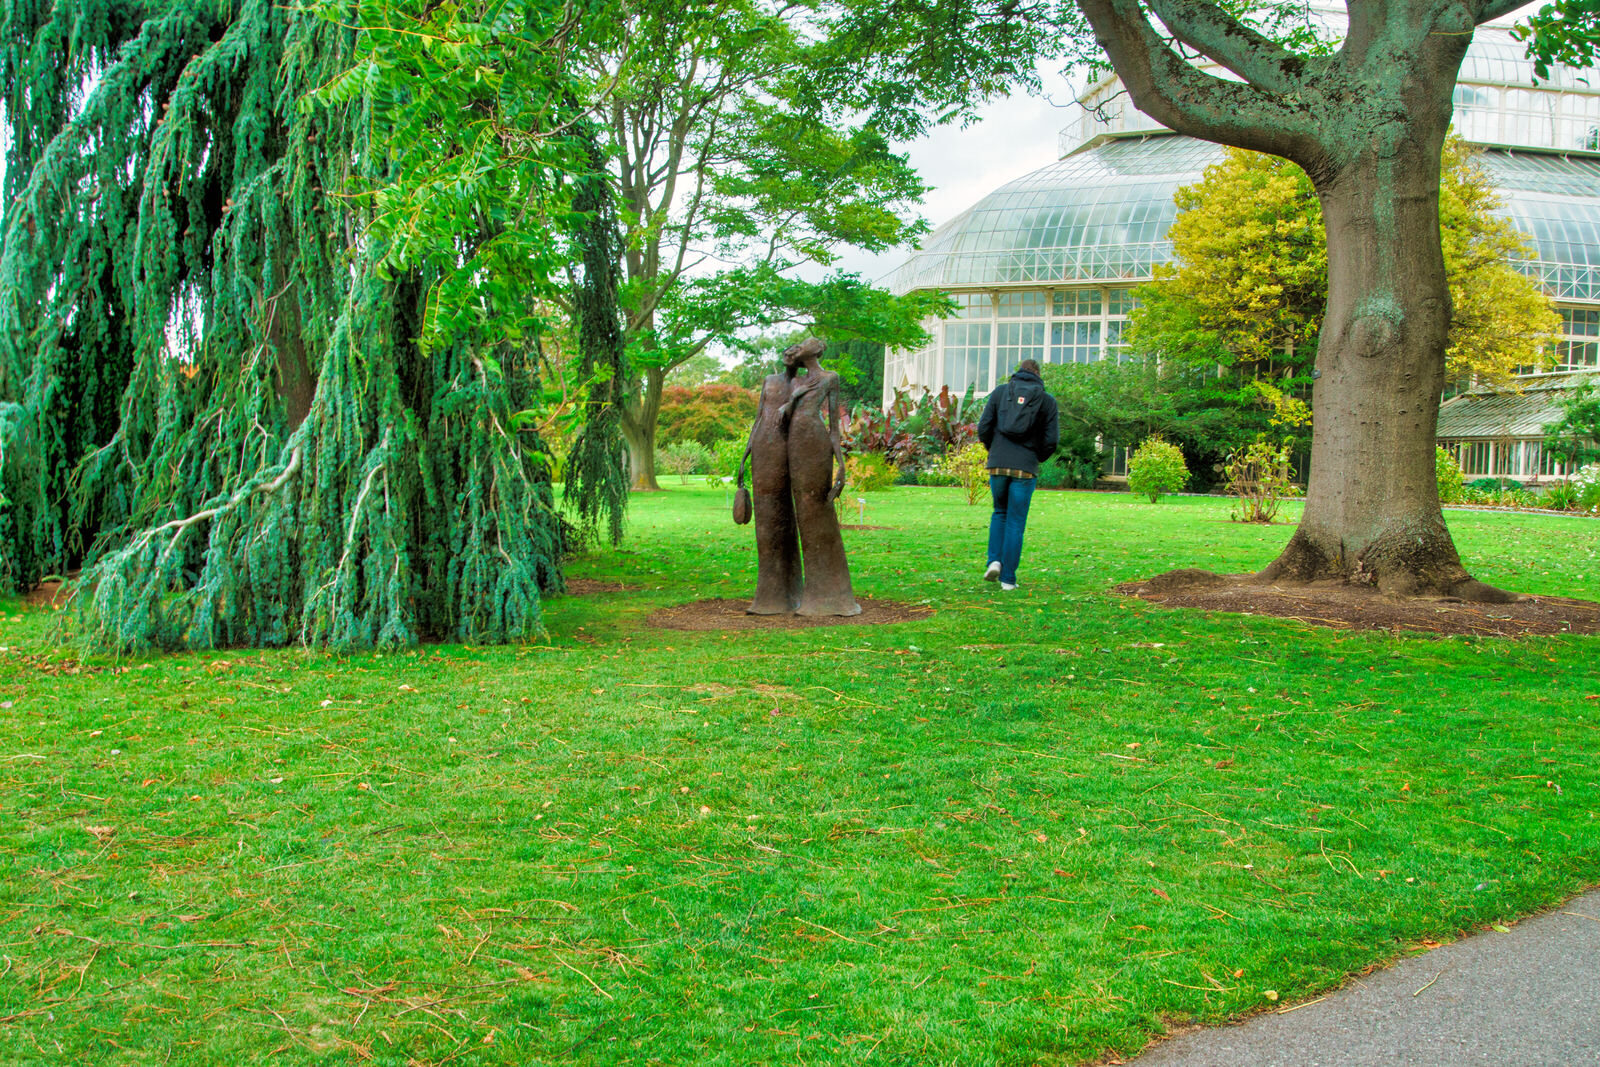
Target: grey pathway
(1528, 998)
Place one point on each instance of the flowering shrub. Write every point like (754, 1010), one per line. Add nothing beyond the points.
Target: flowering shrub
(1587, 483)
(1449, 474)
(1157, 467)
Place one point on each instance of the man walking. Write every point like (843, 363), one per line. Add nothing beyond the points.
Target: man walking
(1019, 427)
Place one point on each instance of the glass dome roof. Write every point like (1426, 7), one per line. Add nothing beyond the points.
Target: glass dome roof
(1102, 215)
(1554, 200)
(1099, 215)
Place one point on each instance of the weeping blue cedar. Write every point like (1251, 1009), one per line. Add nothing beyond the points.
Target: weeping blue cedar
(212, 397)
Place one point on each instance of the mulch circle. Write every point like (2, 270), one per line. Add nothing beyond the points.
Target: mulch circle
(592, 586)
(730, 615)
(1344, 606)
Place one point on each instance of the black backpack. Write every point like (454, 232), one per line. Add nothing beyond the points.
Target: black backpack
(1019, 405)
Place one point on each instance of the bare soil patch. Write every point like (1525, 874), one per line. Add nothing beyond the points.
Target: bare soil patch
(1345, 606)
(730, 615)
(593, 586)
(46, 593)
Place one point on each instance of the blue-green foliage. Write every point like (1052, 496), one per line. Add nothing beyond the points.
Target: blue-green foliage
(220, 391)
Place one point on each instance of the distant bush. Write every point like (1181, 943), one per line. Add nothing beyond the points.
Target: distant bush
(1157, 467)
(1066, 471)
(967, 467)
(1494, 485)
(725, 456)
(1449, 475)
(1258, 476)
(1587, 483)
(1562, 496)
(705, 413)
(684, 458)
(870, 472)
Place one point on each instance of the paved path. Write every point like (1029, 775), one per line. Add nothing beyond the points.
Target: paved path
(1528, 998)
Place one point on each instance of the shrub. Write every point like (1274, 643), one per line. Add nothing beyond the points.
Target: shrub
(705, 413)
(684, 458)
(935, 476)
(1066, 471)
(967, 466)
(1157, 467)
(1449, 474)
(1587, 483)
(725, 456)
(868, 472)
(1258, 475)
(1494, 485)
(1561, 496)
(1517, 498)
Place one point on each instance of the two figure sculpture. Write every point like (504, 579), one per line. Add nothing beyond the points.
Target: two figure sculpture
(796, 472)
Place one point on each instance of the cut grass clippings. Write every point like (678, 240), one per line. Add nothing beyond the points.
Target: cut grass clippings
(1032, 827)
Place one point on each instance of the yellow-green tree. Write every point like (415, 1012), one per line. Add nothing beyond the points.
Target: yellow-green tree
(1248, 284)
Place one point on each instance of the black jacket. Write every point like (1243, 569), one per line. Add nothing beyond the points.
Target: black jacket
(1044, 430)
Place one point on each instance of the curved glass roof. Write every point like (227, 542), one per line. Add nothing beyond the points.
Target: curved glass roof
(1099, 215)
(1102, 215)
(1555, 200)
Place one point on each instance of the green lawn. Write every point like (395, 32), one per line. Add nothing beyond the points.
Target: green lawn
(1031, 828)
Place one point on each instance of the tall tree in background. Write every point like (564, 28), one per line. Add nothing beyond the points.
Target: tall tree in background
(1367, 122)
(264, 388)
(1248, 283)
(731, 176)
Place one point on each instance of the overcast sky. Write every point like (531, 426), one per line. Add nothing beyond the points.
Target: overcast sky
(1012, 137)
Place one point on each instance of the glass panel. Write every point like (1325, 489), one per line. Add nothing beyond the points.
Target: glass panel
(1074, 342)
(966, 356)
(1021, 305)
(1015, 342)
(1074, 303)
(973, 305)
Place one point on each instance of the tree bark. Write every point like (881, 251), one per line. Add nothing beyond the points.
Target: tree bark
(1372, 502)
(639, 429)
(1368, 125)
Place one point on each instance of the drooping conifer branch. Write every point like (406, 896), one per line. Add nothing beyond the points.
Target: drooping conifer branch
(270, 444)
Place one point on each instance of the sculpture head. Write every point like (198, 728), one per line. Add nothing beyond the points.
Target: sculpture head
(805, 352)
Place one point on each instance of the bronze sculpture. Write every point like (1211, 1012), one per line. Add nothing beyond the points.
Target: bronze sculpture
(797, 471)
(777, 547)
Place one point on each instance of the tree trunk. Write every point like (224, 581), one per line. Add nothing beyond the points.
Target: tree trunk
(639, 429)
(1372, 502)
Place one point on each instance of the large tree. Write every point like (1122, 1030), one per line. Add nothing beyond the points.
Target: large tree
(260, 387)
(731, 179)
(1248, 283)
(1367, 122)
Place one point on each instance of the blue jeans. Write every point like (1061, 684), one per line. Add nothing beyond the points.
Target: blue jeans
(1010, 518)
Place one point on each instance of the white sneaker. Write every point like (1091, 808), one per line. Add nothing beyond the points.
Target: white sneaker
(1008, 586)
(993, 573)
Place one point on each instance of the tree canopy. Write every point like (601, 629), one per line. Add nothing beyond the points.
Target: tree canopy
(1248, 283)
(732, 176)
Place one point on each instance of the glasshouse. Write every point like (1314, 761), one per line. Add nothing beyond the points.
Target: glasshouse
(1045, 267)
